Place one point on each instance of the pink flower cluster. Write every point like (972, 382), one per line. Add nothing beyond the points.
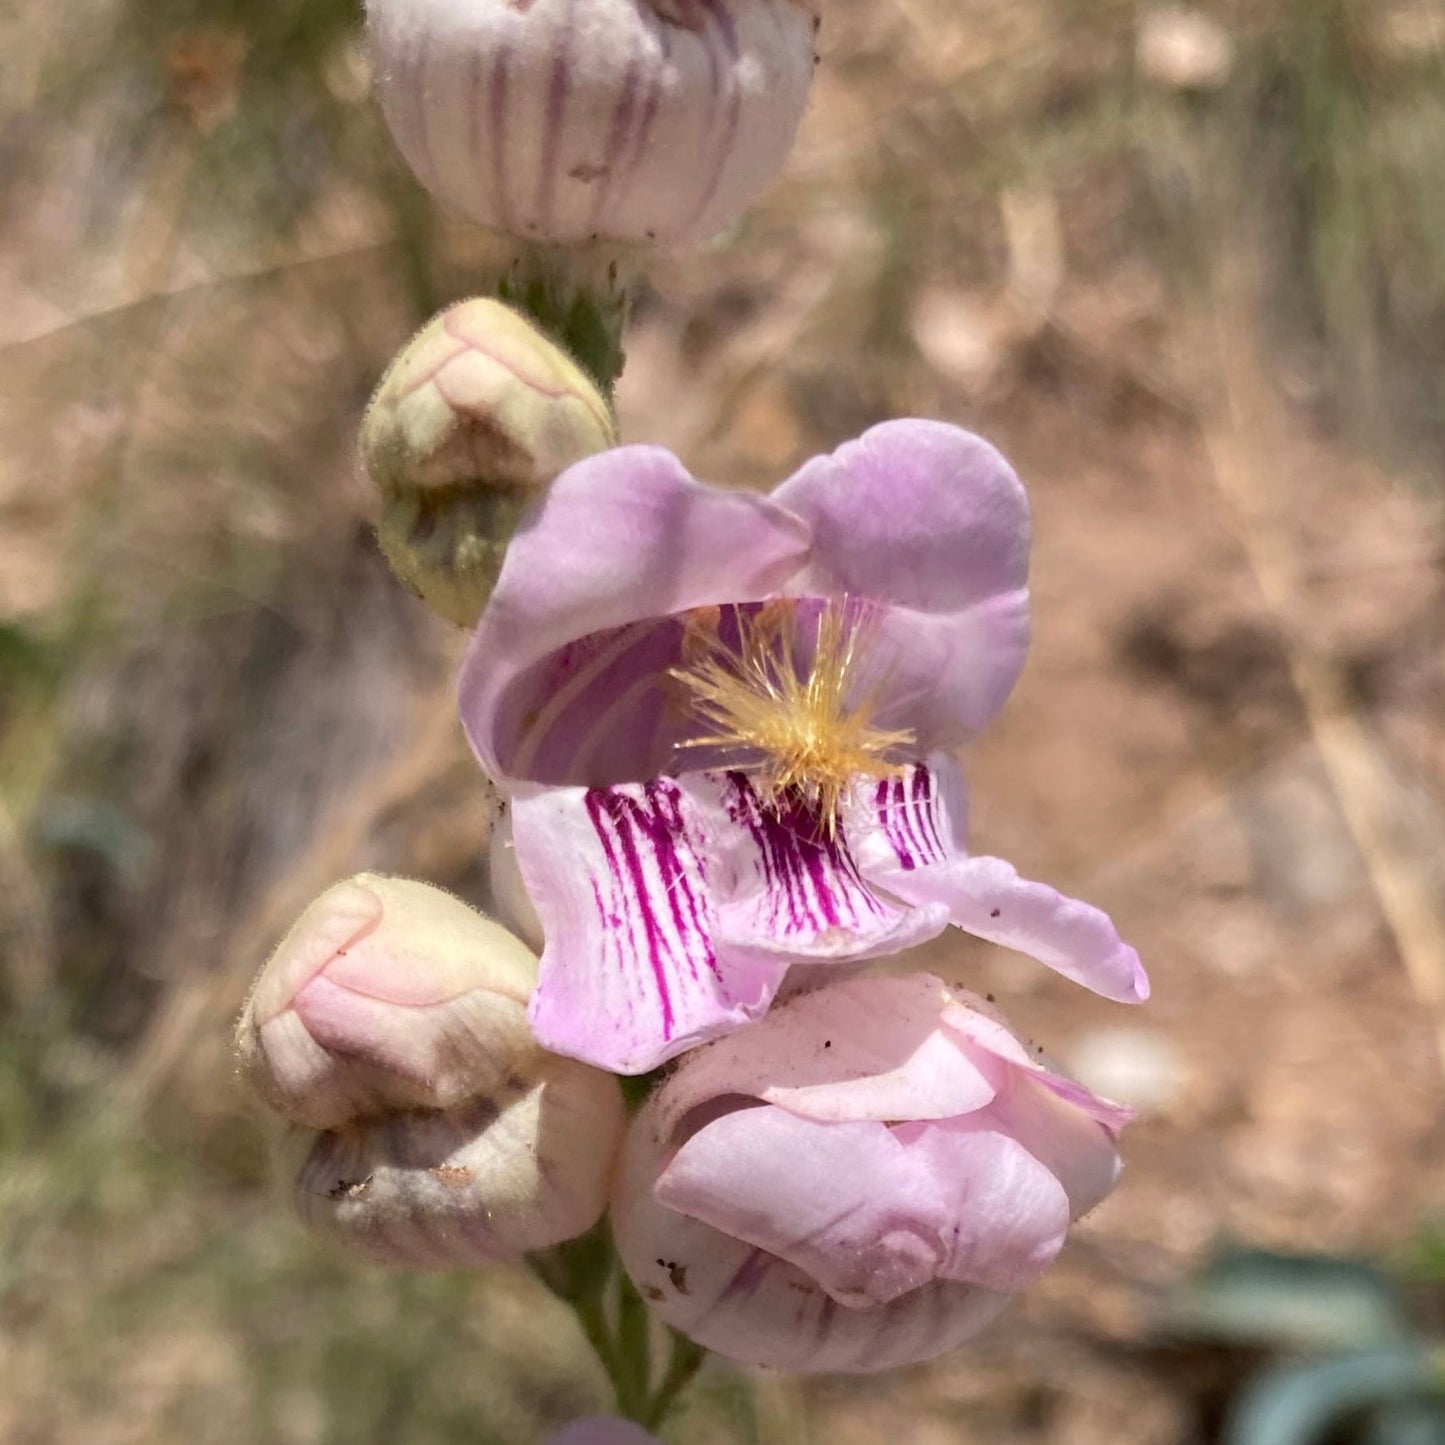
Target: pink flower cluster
(727, 726)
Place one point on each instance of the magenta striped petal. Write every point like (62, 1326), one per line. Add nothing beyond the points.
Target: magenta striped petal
(907, 835)
(630, 974)
(793, 890)
(672, 909)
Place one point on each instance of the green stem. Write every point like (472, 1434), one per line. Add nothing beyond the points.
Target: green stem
(585, 1274)
(580, 298)
(634, 1351)
(687, 1360)
(593, 1320)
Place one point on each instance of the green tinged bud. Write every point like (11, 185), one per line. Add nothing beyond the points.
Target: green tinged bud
(477, 414)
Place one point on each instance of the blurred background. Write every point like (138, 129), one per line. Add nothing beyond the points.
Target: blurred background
(1186, 266)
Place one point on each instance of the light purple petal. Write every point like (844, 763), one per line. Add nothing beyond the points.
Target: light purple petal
(1009, 1213)
(1058, 1120)
(671, 911)
(1103, 1111)
(747, 1305)
(794, 890)
(931, 521)
(1077, 1149)
(861, 1049)
(986, 897)
(608, 1430)
(846, 1203)
(625, 537)
(621, 879)
(906, 839)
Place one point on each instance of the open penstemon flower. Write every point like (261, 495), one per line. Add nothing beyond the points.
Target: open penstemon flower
(728, 727)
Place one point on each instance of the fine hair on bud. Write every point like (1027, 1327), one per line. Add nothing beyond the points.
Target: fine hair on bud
(432, 1131)
(472, 420)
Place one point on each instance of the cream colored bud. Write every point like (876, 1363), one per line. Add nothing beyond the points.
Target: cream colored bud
(477, 414)
(386, 994)
(391, 1023)
(521, 1168)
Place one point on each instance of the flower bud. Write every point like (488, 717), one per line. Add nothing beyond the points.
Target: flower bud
(602, 1430)
(391, 1022)
(475, 416)
(857, 1181)
(566, 122)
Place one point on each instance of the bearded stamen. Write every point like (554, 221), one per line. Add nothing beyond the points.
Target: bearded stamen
(805, 734)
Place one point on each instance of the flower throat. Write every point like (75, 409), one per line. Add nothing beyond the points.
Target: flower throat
(807, 732)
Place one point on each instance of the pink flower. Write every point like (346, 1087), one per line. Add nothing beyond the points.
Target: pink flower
(859, 1181)
(602, 1430)
(726, 722)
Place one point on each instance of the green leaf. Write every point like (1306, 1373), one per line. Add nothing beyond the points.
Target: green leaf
(1304, 1302)
(1297, 1404)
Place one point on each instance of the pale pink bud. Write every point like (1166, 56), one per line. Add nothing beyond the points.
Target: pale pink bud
(391, 1021)
(860, 1180)
(573, 120)
(386, 994)
(474, 417)
(608, 1430)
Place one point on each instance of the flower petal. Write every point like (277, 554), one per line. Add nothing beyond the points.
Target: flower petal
(931, 521)
(1008, 1211)
(907, 837)
(621, 538)
(509, 898)
(1077, 1149)
(750, 1306)
(672, 910)
(602, 1430)
(794, 890)
(861, 1049)
(337, 920)
(846, 1203)
(1057, 1120)
(622, 879)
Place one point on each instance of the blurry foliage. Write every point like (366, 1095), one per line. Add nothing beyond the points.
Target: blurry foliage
(1254, 1297)
(296, 1344)
(1344, 1364)
(1363, 132)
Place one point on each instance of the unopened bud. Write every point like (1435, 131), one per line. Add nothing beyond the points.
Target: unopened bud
(391, 1022)
(619, 120)
(520, 1168)
(386, 994)
(477, 414)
